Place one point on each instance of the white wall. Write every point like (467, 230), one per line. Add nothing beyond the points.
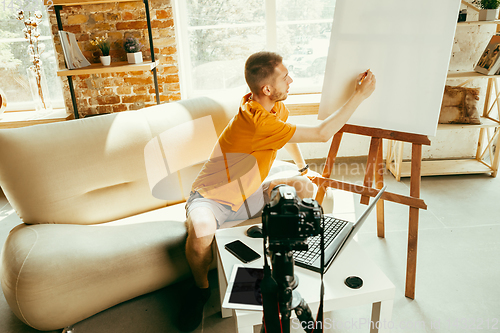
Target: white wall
(469, 45)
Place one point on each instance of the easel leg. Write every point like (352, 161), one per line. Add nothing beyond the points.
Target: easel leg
(399, 159)
(389, 156)
(411, 261)
(370, 166)
(379, 184)
(330, 160)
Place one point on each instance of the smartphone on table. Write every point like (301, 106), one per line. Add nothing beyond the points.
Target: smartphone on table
(242, 251)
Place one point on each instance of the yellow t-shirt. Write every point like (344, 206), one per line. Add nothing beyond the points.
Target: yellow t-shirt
(244, 153)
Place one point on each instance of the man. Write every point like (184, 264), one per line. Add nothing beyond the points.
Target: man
(232, 185)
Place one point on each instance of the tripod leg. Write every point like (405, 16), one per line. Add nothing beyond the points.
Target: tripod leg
(305, 317)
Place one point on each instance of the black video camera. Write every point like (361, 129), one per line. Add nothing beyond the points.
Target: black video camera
(288, 220)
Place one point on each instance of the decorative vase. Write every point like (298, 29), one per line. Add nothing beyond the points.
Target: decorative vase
(488, 14)
(39, 89)
(134, 58)
(105, 60)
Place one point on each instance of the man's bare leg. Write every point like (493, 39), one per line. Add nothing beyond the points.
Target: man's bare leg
(201, 225)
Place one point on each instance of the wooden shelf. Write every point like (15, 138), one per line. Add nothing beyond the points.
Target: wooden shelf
(466, 75)
(469, 5)
(445, 167)
(82, 2)
(485, 123)
(115, 67)
(466, 23)
(303, 104)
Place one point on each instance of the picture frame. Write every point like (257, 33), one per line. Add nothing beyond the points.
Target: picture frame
(489, 62)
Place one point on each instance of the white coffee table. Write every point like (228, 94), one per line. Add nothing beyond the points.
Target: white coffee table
(377, 289)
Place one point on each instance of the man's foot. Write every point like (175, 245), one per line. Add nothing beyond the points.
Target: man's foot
(191, 313)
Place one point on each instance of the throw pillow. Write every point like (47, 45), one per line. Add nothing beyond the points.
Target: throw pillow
(459, 106)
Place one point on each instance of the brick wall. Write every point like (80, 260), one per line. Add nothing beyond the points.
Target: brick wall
(114, 92)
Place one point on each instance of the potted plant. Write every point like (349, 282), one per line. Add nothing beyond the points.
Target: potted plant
(103, 44)
(489, 9)
(133, 49)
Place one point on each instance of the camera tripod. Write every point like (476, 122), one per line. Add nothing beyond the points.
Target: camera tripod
(287, 221)
(288, 298)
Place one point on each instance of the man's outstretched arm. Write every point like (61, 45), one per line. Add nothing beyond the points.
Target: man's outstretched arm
(331, 125)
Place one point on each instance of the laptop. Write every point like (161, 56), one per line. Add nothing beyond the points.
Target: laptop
(338, 233)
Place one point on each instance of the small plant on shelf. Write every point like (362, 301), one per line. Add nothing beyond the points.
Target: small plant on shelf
(133, 49)
(132, 45)
(487, 4)
(103, 44)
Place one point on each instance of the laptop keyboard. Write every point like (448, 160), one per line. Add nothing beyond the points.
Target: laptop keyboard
(332, 227)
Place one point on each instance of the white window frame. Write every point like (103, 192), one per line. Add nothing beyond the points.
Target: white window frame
(182, 36)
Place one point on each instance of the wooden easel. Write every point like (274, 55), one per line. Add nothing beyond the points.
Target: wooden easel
(374, 176)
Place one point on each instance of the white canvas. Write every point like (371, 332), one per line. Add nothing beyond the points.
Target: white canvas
(407, 44)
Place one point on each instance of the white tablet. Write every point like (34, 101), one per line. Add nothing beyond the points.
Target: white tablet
(243, 289)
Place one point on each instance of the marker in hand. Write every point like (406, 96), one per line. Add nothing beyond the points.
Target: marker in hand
(365, 74)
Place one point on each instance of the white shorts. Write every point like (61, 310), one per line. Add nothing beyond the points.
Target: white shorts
(252, 207)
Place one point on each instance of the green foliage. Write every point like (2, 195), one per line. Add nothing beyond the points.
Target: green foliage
(103, 44)
(7, 59)
(487, 4)
(9, 23)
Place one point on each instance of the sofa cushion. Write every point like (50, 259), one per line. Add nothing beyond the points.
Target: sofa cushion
(459, 106)
(56, 275)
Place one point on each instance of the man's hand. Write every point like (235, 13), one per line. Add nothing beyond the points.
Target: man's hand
(365, 84)
(333, 123)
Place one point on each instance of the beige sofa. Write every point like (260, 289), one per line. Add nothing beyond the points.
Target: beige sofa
(94, 235)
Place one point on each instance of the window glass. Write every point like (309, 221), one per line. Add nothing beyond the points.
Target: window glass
(304, 28)
(222, 12)
(15, 60)
(221, 34)
(218, 56)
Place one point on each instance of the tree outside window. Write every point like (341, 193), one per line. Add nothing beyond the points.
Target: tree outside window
(217, 36)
